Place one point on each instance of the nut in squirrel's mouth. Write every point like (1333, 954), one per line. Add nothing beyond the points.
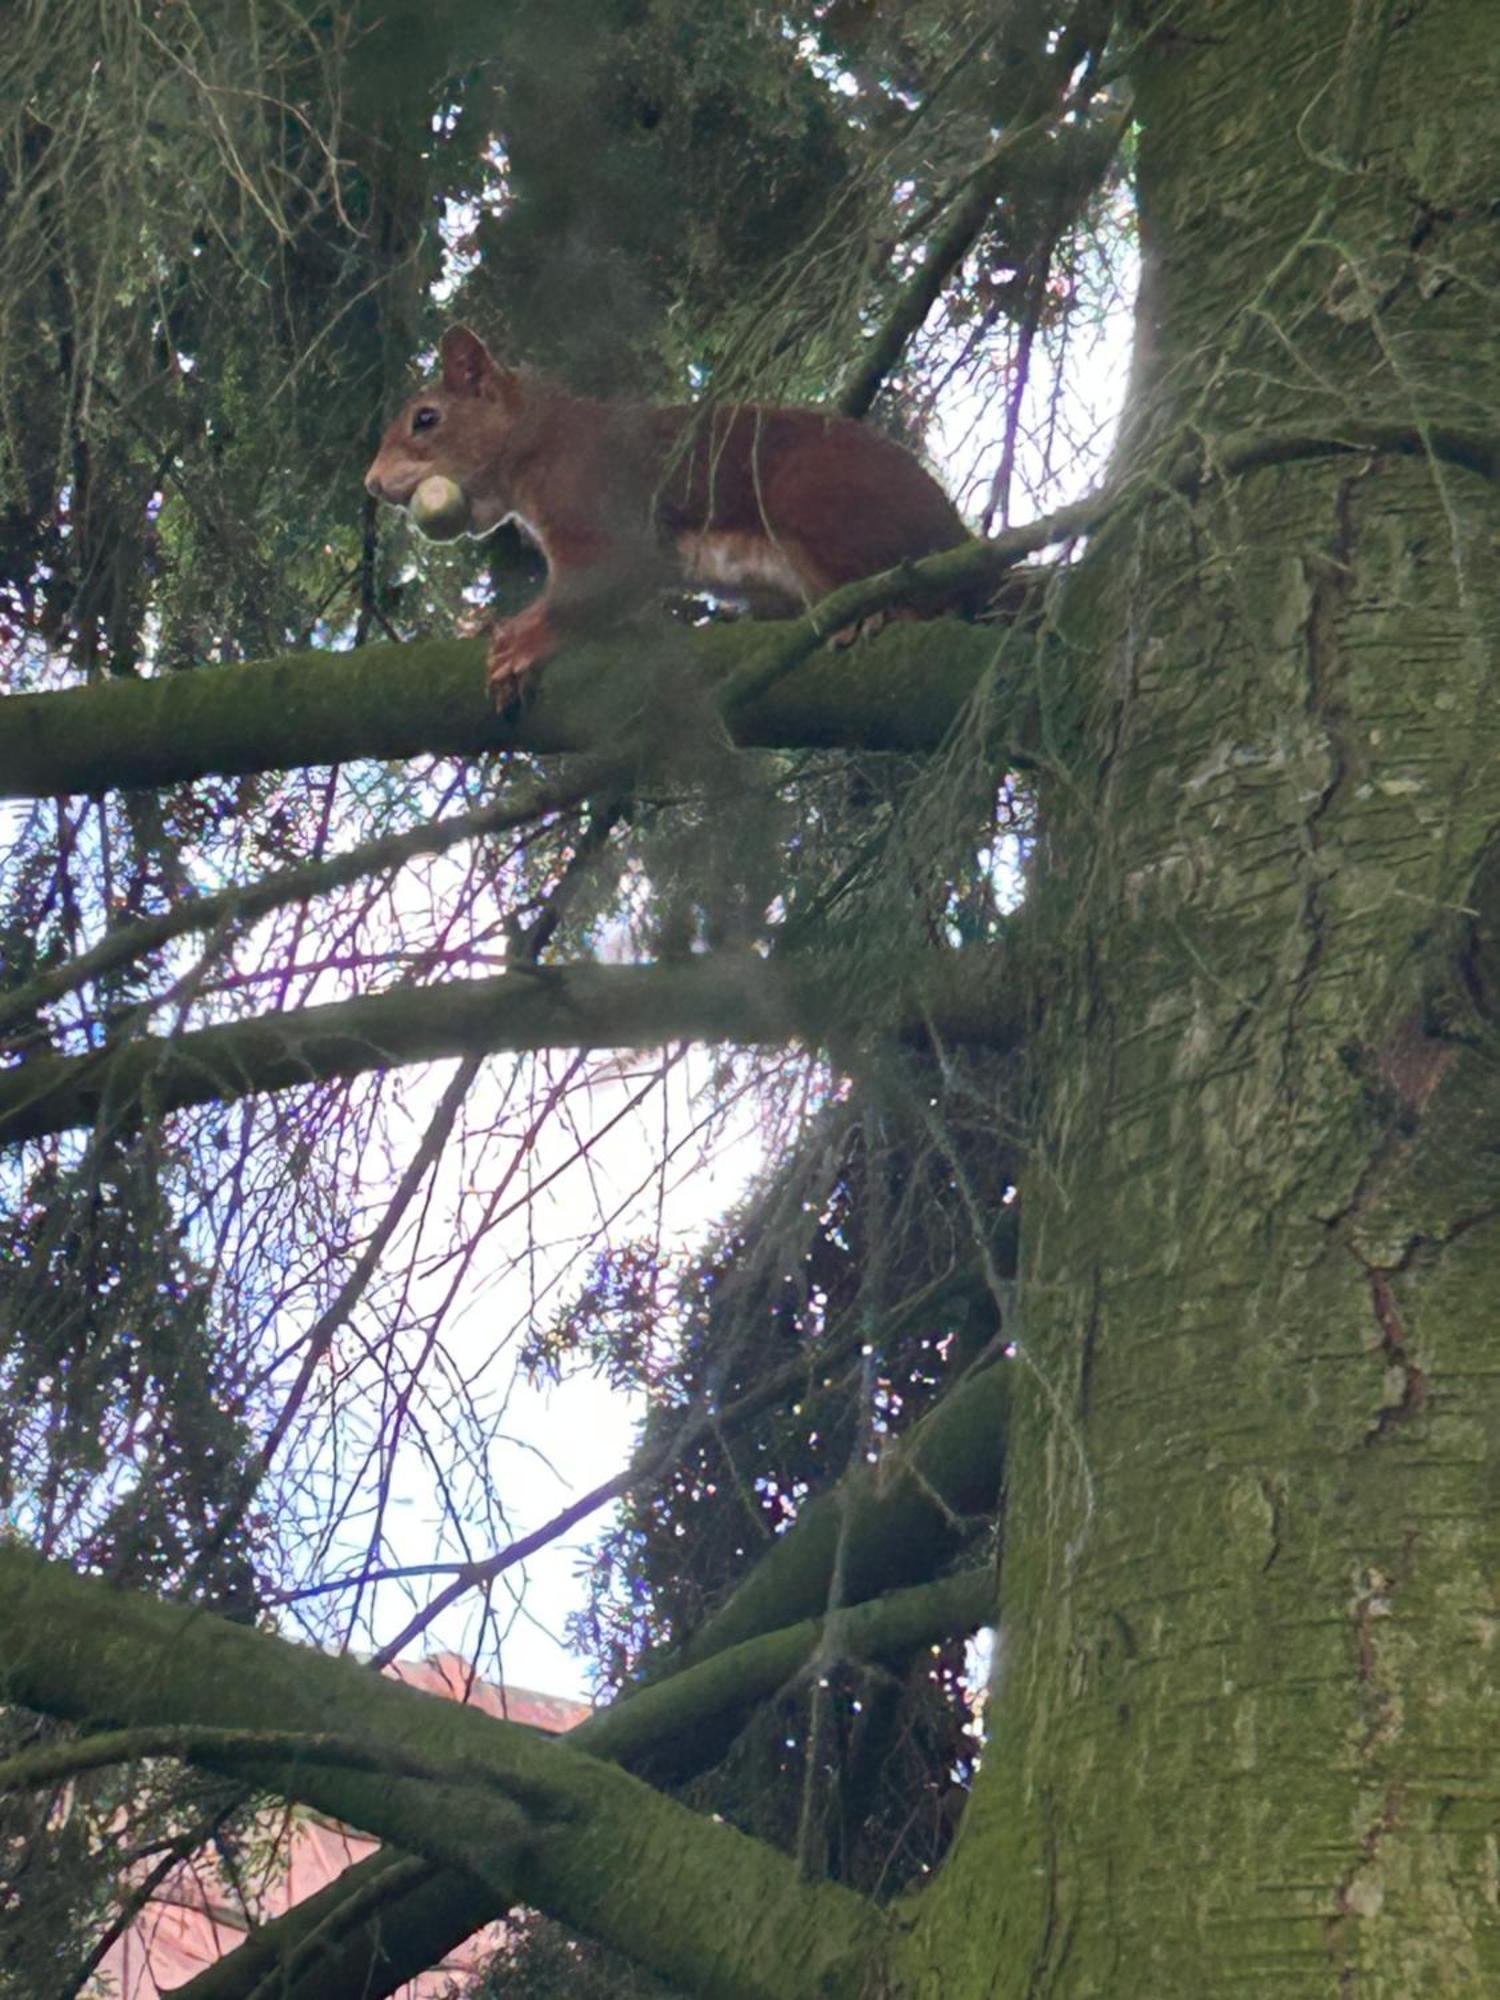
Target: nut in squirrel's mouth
(439, 507)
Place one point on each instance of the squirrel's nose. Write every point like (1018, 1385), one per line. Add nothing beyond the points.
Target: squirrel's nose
(373, 486)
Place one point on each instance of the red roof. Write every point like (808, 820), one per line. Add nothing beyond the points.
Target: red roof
(197, 1916)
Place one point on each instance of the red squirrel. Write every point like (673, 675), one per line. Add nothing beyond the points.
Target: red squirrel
(771, 507)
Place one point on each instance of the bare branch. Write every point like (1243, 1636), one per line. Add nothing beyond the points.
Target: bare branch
(321, 1335)
(242, 904)
(650, 1464)
(54, 1763)
(1034, 125)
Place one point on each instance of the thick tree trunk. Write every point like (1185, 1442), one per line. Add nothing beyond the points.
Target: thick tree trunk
(1243, 1737)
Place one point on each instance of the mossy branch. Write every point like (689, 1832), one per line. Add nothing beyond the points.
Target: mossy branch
(689, 1897)
(680, 1716)
(729, 997)
(376, 1926)
(886, 1525)
(424, 1912)
(899, 691)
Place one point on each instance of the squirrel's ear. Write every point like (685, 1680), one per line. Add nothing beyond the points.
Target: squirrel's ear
(467, 367)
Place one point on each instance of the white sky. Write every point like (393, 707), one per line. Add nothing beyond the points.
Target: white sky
(559, 1441)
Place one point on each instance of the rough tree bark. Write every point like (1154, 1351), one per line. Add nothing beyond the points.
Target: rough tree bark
(1243, 1737)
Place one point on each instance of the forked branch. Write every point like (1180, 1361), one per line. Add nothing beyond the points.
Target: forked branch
(689, 1897)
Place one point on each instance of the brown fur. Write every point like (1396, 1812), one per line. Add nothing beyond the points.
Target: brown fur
(775, 507)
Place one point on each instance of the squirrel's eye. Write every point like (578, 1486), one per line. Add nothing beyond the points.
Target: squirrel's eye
(425, 418)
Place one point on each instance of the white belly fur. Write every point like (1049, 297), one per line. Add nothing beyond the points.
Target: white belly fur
(742, 566)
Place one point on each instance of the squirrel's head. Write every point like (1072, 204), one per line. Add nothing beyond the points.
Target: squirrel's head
(456, 427)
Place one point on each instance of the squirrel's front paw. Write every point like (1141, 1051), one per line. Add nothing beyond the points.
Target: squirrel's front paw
(516, 645)
(869, 626)
(506, 666)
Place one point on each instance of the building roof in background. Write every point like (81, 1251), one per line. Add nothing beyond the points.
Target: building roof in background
(197, 1917)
